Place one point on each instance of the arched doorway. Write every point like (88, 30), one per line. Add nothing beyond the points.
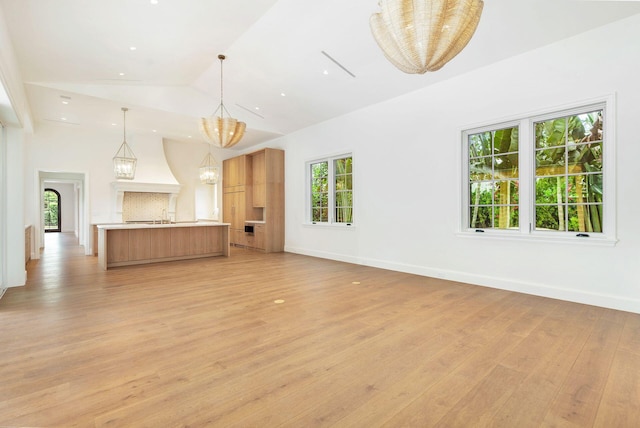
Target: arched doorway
(52, 214)
(77, 200)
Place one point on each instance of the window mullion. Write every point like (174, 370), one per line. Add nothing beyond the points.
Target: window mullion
(565, 179)
(332, 191)
(526, 151)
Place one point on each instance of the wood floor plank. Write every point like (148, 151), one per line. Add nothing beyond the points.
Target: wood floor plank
(483, 401)
(446, 352)
(620, 404)
(577, 401)
(203, 343)
(353, 375)
(545, 357)
(630, 339)
(436, 400)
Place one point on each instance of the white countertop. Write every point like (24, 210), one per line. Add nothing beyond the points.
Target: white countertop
(121, 226)
(254, 221)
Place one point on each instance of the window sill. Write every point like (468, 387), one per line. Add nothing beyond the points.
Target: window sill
(540, 237)
(330, 225)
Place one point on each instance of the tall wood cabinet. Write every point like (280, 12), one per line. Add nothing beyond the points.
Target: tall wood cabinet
(234, 212)
(253, 196)
(236, 182)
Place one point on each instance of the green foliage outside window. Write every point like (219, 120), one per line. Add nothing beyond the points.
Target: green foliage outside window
(493, 179)
(51, 210)
(344, 190)
(569, 178)
(320, 192)
(332, 190)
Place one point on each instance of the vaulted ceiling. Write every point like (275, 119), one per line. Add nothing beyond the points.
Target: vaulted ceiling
(290, 63)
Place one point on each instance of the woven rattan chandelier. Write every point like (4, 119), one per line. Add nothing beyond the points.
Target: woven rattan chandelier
(225, 132)
(423, 35)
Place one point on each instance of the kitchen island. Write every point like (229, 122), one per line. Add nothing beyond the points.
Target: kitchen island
(132, 244)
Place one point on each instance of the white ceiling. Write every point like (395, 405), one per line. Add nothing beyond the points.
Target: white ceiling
(78, 48)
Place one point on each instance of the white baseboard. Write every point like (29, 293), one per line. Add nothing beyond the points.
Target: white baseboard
(324, 255)
(519, 286)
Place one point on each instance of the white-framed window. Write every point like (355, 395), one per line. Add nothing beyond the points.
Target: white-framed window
(493, 165)
(547, 176)
(330, 190)
(569, 172)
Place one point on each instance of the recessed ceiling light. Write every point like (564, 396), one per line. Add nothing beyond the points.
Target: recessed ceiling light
(63, 118)
(121, 74)
(113, 124)
(132, 48)
(189, 136)
(153, 1)
(257, 108)
(65, 102)
(325, 72)
(282, 94)
(153, 130)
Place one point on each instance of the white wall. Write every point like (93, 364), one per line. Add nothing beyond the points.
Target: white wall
(12, 218)
(406, 174)
(196, 200)
(65, 148)
(59, 148)
(16, 116)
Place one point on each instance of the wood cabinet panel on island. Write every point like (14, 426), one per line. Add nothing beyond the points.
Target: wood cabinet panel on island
(180, 242)
(203, 241)
(27, 244)
(122, 245)
(118, 249)
(160, 243)
(257, 197)
(139, 244)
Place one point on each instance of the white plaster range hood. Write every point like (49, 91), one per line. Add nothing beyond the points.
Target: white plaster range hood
(153, 175)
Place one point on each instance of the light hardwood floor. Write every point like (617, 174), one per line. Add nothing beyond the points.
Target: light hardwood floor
(202, 343)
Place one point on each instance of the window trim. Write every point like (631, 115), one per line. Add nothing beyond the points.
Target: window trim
(526, 166)
(331, 196)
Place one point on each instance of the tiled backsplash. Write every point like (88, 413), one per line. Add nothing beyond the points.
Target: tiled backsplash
(138, 206)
